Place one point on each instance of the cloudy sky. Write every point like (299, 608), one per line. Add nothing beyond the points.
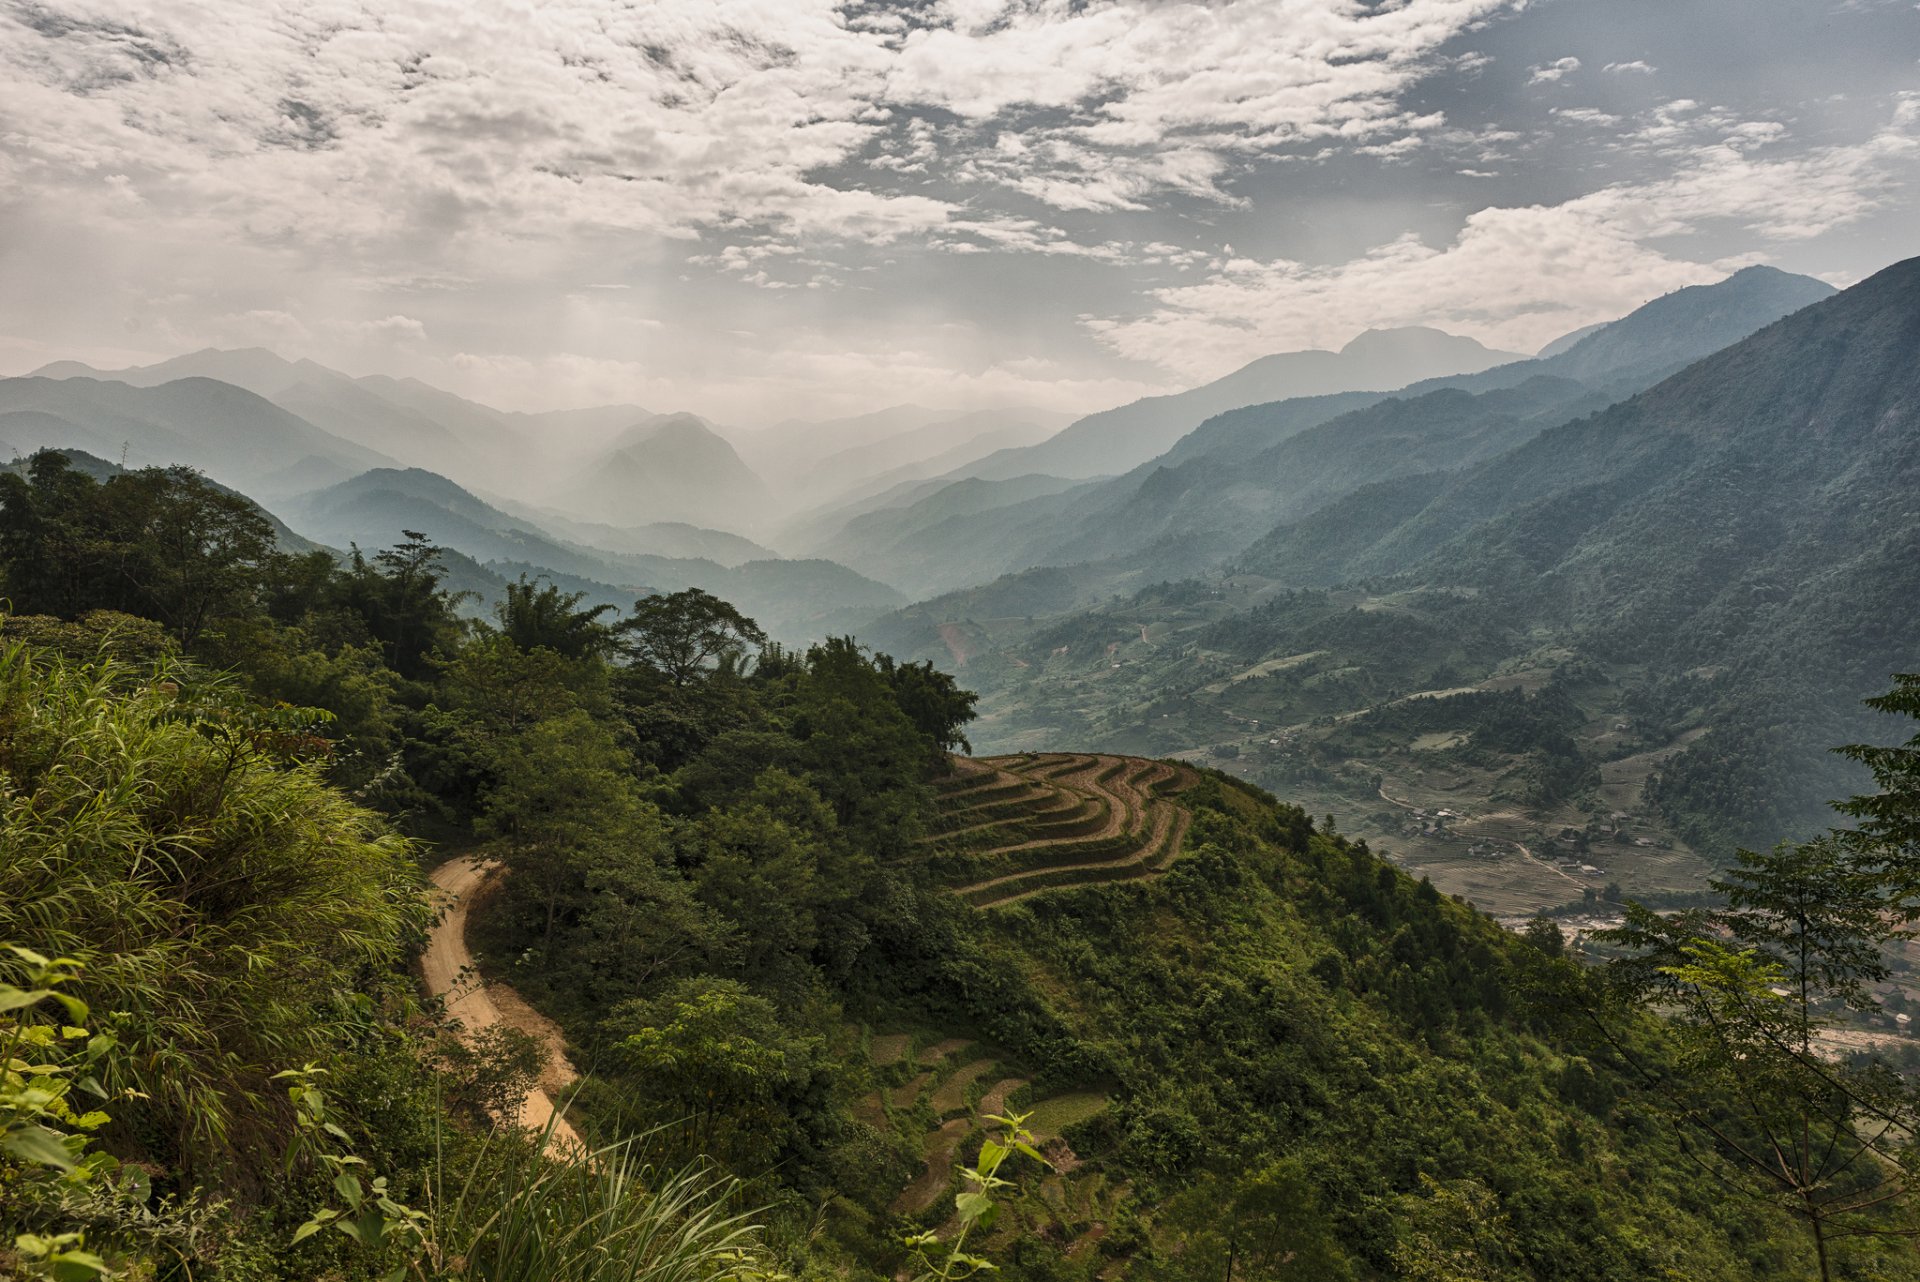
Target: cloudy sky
(756, 208)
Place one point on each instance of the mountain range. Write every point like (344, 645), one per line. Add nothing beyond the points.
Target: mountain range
(1231, 478)
(1707, 568)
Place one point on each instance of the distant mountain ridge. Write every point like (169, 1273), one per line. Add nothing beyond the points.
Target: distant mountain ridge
(1233, 477)
(1117, 440)
(798, 601)
(232, 434)
(675, 468)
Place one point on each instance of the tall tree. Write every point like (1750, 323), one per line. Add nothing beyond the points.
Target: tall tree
(536, 614)
(1751, 989)
(684, 634)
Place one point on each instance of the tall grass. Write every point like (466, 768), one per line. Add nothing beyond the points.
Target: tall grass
(522, 1213)
(222, 897)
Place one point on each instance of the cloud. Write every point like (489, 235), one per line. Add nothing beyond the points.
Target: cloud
(396, 328)
(1555, 70)
(479, 124)
(1517, 277)
(665, 192)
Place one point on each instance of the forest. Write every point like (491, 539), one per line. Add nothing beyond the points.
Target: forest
(229, 765)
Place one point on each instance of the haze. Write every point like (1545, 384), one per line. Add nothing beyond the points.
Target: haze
(762, 209)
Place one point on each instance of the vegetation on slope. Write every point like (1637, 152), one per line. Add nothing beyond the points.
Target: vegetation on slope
(731, 877)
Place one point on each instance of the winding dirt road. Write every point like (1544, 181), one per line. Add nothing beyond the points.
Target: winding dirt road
(450, 974)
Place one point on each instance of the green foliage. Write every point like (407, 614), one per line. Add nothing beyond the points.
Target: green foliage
(539, 615)
(1751, 987)
(165, 543)
(683, 634)
(977, 1205)
(222, 896)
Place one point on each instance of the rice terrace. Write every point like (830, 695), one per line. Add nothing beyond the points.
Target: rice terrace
(1017, 826)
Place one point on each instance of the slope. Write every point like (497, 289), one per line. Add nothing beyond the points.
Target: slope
(1226, 482)
(1705, 580)
(1118, 439)
(673, 469)
(230, 433)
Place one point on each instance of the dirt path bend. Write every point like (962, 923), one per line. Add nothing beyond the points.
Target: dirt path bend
(450, 974)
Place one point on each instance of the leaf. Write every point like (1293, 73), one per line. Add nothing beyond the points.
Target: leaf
(37, 1144)
(77, 1266)
(312, 1226)
(972, 1206)
(12, 998)
(347, 1184)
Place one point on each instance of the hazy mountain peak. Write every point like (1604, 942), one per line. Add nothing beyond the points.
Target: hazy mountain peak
(1683, 326)
(1412, 342)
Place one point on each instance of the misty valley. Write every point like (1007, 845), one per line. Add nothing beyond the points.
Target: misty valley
(852, 641)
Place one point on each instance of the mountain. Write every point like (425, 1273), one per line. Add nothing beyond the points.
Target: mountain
(402, 419)
(904, 544)
(1631, 638)
(1227, 482)
(657, 538)
(232, 434)
(327, 398)
(1678, 328)
(939, 446)
(1567, 340)
(796, 601)
(671, 469)
(1378, 360)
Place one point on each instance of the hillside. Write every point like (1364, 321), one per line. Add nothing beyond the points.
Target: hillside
(808, 950)
(1225, 483)
(233, 435)
(1119, 439)
(671, 469)
(1659, 579)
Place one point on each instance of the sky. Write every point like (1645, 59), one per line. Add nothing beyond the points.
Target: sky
(758, 209)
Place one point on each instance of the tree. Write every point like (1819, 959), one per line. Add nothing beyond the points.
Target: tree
(538, 614)
(684, 634)
(712, 1052)
(932, 700)
(164, 543)
(562, 790)
(1750, 989)
(1887, 823)
(399, 595)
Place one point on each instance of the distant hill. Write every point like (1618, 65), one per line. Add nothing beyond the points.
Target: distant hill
(797, 601)
(940, 446)
(233, 435)
(899, 544)
(1116, 440)
(1233, 477)
(672, 469)
(1747, 532)
(656, 538)
(401, 419)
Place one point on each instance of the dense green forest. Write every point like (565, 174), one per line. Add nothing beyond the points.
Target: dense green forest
(229, 765)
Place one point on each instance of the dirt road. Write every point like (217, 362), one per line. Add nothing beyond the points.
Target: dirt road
(450, 974)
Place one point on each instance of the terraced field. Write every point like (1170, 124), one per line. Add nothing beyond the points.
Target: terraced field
(1017, 826)
(942, 1094)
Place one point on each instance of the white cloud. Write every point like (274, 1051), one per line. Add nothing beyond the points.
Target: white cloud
(1636, 67)
(394, 328)
(1516, 277)
(1555, 70)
